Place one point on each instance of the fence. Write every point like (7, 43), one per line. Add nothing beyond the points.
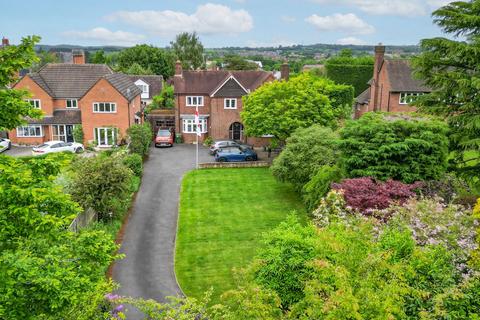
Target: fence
(249, 164)
(83, 220)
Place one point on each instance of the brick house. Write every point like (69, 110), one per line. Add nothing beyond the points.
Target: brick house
(218, 95)
(105, 103)
(392, 86)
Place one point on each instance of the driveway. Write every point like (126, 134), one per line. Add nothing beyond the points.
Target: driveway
(18, 151)
(147, 271)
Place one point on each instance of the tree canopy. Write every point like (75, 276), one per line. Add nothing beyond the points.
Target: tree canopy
(450, 68)
(346, 69)
(13, 107)
(278, 108)
(150, 58)
(234, 62)
(189, 50)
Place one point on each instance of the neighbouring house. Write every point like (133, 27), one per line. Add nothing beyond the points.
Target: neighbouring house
(104, 103)
(218, 96)
(392, 87)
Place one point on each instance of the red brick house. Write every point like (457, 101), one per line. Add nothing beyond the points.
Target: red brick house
(391, 88)
(218, 96)
(105, 103)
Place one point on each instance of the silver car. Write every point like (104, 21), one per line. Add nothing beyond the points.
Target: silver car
(226, 144)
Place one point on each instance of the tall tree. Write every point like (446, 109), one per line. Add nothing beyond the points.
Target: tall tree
(189, 50)
(44, 58)
(234, 62)
(13, 107)
(157, 60)
(450, 68)
(98, 57)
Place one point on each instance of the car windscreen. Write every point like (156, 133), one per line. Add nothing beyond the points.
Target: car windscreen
(43, 146)
(163, 133)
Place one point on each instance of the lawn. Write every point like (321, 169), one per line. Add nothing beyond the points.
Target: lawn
(223, 213)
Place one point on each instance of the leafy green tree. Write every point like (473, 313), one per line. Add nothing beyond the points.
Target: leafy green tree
(234, 62)
(189, 50)
(98, 57)
(399, 147)
(166, 99)
(78, 134)
(279, 108)
(45, 57)
(307, 150)
(13, 107)
(450, 68)
(140, 136)
(137, 69)
(150, 58)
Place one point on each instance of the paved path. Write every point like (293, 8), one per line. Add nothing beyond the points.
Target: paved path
(147, 271)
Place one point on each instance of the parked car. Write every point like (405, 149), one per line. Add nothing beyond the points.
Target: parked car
(227, 144)
(5, 144)
(235, 154)
(164, 138)
(57, 146)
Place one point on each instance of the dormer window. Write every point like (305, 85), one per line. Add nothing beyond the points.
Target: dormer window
(35, 103)
(72, 103)
(142, 85)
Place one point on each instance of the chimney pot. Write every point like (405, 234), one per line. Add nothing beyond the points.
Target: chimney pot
(5, 42)
(285, 71)
(178, 68)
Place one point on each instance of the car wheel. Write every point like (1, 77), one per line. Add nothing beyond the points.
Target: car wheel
(9, 146)
(222, 160)
(79, 150)
(249, 159)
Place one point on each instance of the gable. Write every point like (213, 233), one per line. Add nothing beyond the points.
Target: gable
(231, 88)
(141, 82)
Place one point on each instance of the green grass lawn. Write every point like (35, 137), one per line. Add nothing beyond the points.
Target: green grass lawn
(223, 213)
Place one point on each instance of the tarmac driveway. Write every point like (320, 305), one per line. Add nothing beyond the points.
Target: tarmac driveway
(147, 271)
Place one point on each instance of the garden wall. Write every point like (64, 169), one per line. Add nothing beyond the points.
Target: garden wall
(250, 164)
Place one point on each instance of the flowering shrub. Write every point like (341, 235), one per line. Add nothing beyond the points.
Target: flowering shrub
(366, 194)
(331, 208)
(434, 223)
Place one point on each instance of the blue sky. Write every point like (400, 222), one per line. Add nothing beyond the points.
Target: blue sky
(221, 23)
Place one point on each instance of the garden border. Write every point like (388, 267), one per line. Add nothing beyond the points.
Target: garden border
(249, 164)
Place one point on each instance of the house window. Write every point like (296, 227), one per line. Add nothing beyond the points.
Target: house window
(72, 103)
(143, 87)
(194, 101)
(104, 107)
(29, 131)
(189, 126)
(106, 137)
(408, 97)
(230, 103)
(35, 103)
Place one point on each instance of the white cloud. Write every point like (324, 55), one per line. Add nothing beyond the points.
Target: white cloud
(438, 3)
(350, 40)
(348, 23)
(288, 19)
(385, 7)
(105, 36)
(208, 19)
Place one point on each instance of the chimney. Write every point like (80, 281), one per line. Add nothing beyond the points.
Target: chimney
(78, 56)
(178, 68)
(379, 58)
(285, 71)
(5, 42)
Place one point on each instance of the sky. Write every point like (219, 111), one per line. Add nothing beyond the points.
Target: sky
(220, 23)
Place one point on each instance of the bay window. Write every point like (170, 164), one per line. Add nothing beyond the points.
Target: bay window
(189, 126)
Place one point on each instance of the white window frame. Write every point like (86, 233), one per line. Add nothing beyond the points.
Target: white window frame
(195, 101)
(227, 103)
(37, 103)
(20, 131)
(72, 102)
(96, 105)
(406, 97)
(188, 125)
(96, 133)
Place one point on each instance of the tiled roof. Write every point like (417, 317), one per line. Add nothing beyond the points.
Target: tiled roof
(155, 82)
(364, 97)
(70, 80)
(205, 82)
(400, 74)
(60, 117)
(124, 85)
(73, 81)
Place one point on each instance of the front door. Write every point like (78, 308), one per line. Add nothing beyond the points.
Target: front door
(69, 133)
(236, 131)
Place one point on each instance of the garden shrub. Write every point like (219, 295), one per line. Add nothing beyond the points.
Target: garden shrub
(319, 185)
(448, 188)
(367, 195)
(134, 161)
(307, 150)
(78, 134)
(399, 147)
(140, 136)
(103, 184)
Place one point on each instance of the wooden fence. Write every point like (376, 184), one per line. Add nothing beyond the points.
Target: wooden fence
(83, 220)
